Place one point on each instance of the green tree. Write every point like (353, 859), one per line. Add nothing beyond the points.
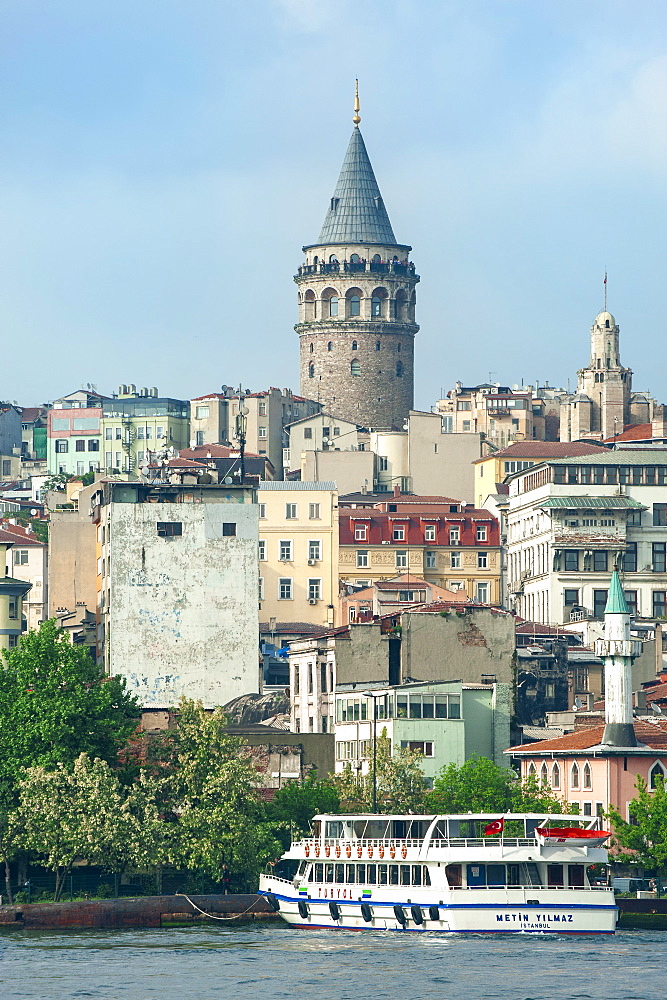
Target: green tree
(217, 817)
(10, 833)
(298, 801)
(55, 703)
(481, 785)
(399, 781)
(84, 813)
(645, 838)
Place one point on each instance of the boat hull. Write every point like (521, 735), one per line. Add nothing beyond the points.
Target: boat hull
(454, 916)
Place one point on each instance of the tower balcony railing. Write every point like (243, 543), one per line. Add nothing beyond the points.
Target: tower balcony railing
(404, 267)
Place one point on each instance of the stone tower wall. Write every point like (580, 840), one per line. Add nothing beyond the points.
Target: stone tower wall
(380, 348)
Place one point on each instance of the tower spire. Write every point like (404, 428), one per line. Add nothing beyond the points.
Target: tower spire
(357, 117)
(605, 289)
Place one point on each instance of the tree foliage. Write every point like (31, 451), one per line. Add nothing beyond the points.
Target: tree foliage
(298, 801)
(399, 781)
(55, 704)
(217, 817)
(84, 814)
(479, 785)
(645, 839)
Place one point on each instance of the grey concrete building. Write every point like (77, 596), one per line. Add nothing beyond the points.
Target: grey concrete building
(357, 304)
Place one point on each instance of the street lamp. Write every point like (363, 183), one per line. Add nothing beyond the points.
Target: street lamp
(371, 694)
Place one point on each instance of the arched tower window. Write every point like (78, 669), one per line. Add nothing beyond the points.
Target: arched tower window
(555, 776)
(544, 774)
(655, 775)
(378, 307)
(377, 259)
(329, 302)
(532, 770)
(399, 369)
(309, 301)
(353, 301)
(574, 776)
(355, 367)
(333, 305)
(333, 259)
(401, 304)
(311, 371)
(316, 259)
(354, 345)
(588, 777)
(378, 345)
(398, 348)
(355, 258)
(312, 348)
(330, 346)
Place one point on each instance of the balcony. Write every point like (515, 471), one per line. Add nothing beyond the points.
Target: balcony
(405, 267)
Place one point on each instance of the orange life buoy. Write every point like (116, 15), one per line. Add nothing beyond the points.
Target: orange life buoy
(348, 850)
(317, 850)
(404, 851)
(370, 852)
(307, 850)
(392, 851)
(359, 851)
(381, 852)
(327, 850)
(337, 850)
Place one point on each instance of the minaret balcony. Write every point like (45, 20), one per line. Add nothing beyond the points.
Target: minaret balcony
(618, 647)
(406, 268)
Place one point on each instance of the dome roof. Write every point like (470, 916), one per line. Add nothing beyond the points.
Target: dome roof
(603, 318)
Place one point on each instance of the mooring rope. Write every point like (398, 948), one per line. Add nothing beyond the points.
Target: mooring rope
(215, 916)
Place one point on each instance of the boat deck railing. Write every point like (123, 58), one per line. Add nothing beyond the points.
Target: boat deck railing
(339, 848)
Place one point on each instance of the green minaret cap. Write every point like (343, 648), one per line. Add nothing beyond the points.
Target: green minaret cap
(616, 603)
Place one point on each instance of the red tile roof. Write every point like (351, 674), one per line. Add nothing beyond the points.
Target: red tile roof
(30, 413)
(653, 734)
(209, 395)
(635, 432)
(21, 535)
(543, 450)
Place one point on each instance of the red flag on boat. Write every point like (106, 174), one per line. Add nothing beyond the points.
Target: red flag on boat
(497, 826)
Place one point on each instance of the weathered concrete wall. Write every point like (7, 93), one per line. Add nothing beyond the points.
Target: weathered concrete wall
(441, 464)
(316, 749)
(184, 612)
(349, 470)
(72, 556)
(363, 657)
(436, 648)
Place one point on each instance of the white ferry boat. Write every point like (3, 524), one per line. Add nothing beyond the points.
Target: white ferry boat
(466, 874)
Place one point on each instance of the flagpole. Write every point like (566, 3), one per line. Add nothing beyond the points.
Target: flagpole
(605, 289)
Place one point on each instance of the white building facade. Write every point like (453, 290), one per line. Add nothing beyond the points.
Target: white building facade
(571, 522)
(178, 584)
(312, 685)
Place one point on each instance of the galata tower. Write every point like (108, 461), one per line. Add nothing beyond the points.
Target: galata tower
(357, 304)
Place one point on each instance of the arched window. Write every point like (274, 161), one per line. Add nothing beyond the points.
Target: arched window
(376, 258)
(330, 346)
(309, 299)
(354, 345)
(655, 775)
(401, 304)
(378, 345)
(312, 348)
(399, 369)
(588, 777)
(398, 348)
(555, 776)
(355, 367)
(532, 770)
(333, 259)
(544, 774)
(378, 298)
(311, 371)
(376, 306)
(315, 260)
(355, 258)
(333, 305)
(574, 776)
(353, 301)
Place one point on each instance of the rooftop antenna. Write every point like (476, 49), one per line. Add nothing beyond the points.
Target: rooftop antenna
(357, 117)
(605, 289)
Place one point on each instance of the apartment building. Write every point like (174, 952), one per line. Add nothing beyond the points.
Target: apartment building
(437, 539)
(502, 413)
(298, 551)
(177, 600)
(28, 561)
(136, 424)
(571, 521)
(493, 469)
(12, 594)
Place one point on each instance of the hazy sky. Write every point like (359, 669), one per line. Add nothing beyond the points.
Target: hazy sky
(163, 162)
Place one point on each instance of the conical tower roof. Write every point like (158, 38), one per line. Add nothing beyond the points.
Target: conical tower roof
(357, 213)
(616, 602)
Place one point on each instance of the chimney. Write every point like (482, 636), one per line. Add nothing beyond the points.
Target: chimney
(617, 651)
(397, 491)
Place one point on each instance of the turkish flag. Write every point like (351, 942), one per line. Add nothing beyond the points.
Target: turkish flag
(497, 826)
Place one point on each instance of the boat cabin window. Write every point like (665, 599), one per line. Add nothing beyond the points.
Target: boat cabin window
(339, 873)
(399, 829)
(302, 867)
(440, 831)
(371, 829)
(334, 829)
(453, 876)
(350, 874)
(364, 874)
(317, 828)
(576, 877)
(555, 876)
(329, 872)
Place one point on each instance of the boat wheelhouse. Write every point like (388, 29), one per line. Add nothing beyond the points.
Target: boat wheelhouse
(460, 873)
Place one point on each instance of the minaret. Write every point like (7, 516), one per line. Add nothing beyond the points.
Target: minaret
(618, 651)
(357, 303)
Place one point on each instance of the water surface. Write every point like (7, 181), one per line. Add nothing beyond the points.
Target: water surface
(272, 962)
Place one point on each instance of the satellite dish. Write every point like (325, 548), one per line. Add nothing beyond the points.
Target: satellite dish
(34, 512)
(228, 480)
(578, 703)
(244, 410)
